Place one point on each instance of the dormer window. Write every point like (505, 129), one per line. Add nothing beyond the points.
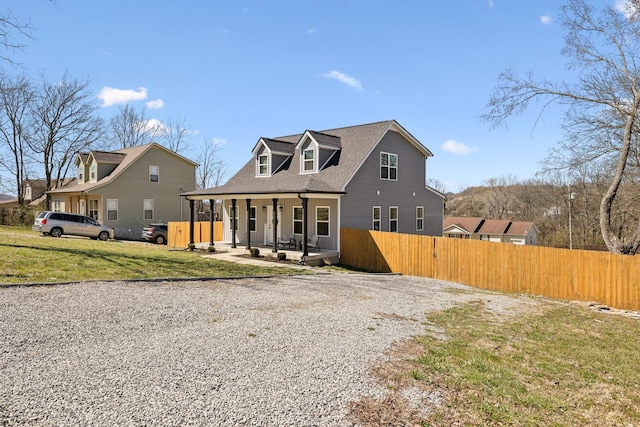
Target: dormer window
(309, 160)
(263, 165)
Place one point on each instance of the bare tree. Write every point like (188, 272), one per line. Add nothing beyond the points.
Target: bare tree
(65, 123)
(499, 198)
(16, 96)
(175, 135)
(130, 128)
(212, 169)
(602, 106)
(12, 29)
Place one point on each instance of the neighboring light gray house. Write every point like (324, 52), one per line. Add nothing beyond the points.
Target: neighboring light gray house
(129, 188)
(311, 184)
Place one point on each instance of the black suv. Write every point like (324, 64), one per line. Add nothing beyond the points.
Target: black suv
(156, 233)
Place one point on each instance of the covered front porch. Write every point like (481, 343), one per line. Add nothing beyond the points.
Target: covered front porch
(303, 225)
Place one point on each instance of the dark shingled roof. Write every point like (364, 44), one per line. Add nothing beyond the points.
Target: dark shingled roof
(355, 143)
(279, 146)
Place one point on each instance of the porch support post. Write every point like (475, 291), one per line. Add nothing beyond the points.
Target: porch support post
(275, 225)
(211, 202)
(305, 235)
(191, 209)
(234, 226)
(248, 224)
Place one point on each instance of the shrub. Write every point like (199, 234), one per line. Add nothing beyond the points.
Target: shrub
(282, 256)
(255, 252)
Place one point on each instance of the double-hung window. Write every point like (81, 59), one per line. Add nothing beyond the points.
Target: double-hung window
(154, 174)
(419, 218)
(263, 165)
(388, 166)
(393, 219)
(147, 209)
(252, 218)
(322, 221)
(112, 209)
(376, 218)
(308, 156)
(297, 220)
(233, 213)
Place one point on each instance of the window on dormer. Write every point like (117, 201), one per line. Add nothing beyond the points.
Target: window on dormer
(263, 164)
(309, 159)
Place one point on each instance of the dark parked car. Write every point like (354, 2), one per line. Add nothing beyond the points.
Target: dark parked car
(156, 233)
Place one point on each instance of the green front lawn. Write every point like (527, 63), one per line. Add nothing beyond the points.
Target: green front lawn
(29, 257)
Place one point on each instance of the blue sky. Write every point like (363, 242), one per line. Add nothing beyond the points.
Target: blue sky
(240, 70)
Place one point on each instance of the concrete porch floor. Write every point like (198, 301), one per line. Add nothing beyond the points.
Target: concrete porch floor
(315, 257)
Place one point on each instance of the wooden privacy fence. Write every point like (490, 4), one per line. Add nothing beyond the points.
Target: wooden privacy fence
(179, 233)
(609, 279)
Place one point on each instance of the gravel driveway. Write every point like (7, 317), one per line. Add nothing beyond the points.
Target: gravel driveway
(277, 351)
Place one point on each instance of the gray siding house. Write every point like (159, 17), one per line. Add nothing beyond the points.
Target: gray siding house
(305, 187)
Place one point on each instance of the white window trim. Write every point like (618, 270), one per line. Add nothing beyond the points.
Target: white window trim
(93, 172)
(373, 218)
(268, 165)
(253, 218)
(396, 220)
(153, 209)
(328, 221)
(388, 166)
(421, 218)
(294, 220)
(116, 209)
(236, 212)
(156, 174)
(313, 149)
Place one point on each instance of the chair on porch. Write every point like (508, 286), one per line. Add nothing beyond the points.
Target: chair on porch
(286, 243)
(313, 243)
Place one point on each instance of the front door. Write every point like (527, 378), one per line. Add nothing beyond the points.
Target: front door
(268, 228)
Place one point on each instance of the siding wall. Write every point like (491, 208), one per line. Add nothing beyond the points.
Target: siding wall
(132, 186)
(366, 190)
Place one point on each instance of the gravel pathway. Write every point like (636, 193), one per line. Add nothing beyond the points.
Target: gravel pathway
(278, 351)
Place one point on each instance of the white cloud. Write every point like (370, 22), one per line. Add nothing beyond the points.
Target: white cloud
(545, 19)
(112, 96)
(455, 147)
(343, 78)
(155, 104)
(626, 7)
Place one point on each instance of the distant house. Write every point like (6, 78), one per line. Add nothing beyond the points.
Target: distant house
(307, 186)
(493, 230)
(34, 193)
(128, 188)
